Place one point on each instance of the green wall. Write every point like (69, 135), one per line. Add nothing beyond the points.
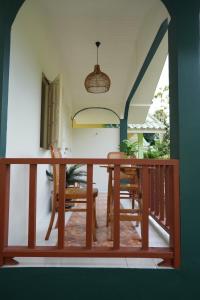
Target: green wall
(54, 283)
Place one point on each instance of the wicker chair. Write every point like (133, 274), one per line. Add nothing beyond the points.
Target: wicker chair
(129, 189)
(73, 195)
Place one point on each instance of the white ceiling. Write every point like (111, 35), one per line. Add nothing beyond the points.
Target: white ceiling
(120, 25)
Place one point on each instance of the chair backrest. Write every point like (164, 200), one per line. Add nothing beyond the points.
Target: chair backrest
(55, 153)
(116, 155)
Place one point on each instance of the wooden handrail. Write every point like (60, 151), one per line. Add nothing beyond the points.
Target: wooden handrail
(86, 161)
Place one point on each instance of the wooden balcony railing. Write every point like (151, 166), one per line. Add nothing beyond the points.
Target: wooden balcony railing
(160, 197)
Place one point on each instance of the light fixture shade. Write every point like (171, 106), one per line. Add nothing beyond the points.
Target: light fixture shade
(97, 82)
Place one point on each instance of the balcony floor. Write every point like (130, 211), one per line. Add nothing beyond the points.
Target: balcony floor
(157, 237)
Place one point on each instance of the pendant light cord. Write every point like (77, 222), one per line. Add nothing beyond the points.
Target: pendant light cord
(98, 44)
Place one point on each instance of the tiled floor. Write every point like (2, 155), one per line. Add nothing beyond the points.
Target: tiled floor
(157, 237)
(75, 233)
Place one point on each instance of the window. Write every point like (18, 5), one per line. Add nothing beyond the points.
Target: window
(50, 112)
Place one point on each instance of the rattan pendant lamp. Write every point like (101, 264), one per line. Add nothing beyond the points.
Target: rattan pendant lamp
(97, 81)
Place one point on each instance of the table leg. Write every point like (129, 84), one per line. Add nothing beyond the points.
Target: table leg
(109, 196)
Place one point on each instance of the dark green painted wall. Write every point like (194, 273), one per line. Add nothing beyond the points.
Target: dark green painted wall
(185, 127)
(123, 130)
(4, 61)
(8, 10)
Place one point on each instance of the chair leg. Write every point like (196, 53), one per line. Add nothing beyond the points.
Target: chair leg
(94, 225)
(109, 197)
(133, 202)
(140, 207)
(111, 219)
(108, 212)
(94, 231)
(50, 223)
(95, 214)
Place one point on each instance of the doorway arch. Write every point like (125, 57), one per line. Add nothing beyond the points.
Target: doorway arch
(150, 282)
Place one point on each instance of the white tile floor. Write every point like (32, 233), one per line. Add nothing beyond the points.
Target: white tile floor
(157, 237)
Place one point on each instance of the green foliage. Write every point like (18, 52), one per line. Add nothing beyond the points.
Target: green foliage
(73, 175)
(151, 153)
(159, 150)
(161, 147)
(129, 148)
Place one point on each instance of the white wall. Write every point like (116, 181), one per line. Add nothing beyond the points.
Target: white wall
(96, 143)
(66, 130)
(32, 52)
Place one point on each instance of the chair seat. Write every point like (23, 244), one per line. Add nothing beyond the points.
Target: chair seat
(77, 192)
(129, 187)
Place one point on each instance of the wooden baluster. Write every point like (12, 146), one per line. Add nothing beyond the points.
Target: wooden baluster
(109, 196)
(167, 196)
(145, 209)
(153, 191)
(32, 206)
(116, 199)
(162, 199)
(176, 217)
(61, 207)
(89, 214)
(157, 196)
(150, 189)
(4, 207)
(171, 206)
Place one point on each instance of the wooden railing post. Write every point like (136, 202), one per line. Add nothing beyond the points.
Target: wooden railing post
(145, 208)
(116, 199)
(89, 214)
(61, 207)
(32, 206)
(4, 207)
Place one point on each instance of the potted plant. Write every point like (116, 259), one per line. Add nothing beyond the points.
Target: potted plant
(129, 148)
(74, 175)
